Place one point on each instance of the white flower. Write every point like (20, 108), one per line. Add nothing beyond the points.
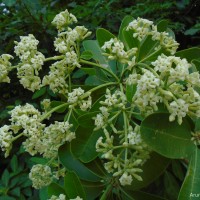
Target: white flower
(5, 67)
(6, 139)
(141, 28)
(40, 176)
(60, 197)
(73, 97)
(178, 108)
(54, 136)
(77, 198)
(63, 19)
(72, 59)
(125, 179)
(56, 79)
(26, 46)
(115, 50)
(134, 138)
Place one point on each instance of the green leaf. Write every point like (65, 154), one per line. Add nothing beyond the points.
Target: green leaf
(96, 166)
(73, 164)
(89, 71)
(86, 55)
(139, 195)
(147, 47)
(15, 192)
(129, 40)
(38, 160)
(92, 45)
(7, 198)
(168, 138)
(73, 187)
(93, 80)
(125, 22)
(190, 54)
(14, 163)
(5, 177)
(86, 120)
(84, 145)
(152, 169)
(103, 36)
(93, 190)
(162, 25)
(130, 91)
(43, 193)
(190, 187)
(39, 93)
(171, 185)
(55, 189)
(178, 169)
(9, 3)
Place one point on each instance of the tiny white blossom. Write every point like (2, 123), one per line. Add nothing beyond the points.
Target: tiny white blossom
(125, 179)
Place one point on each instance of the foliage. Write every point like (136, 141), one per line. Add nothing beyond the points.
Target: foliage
(92, 123)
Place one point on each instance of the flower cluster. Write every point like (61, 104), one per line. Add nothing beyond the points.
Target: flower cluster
(76, 98)
(142, 28)
(115, 51)
(122, 147)
(170, 82)
(31, 62)
(60, 197)
(5, 67)
(63, 19)
(40, 176)
(63, 197)
(67, 44)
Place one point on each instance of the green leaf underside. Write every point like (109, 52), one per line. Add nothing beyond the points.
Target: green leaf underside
(167, 138)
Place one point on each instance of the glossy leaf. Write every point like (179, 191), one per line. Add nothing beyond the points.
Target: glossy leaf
(39, 93)
(162, 25)
(73, 187)
(103, 36)
(84, 145)
(152, 169)
(86, 120)
(14, 163)
(130, 91)
(55, 189)
(5, 177)
(129, 40)
(140, 195)
(167, 138)
(190, 188)
(92, 45)
(92, 190)
(190, 54)
(97, 167)
(86, 55)
(125, 22)
(73, 164)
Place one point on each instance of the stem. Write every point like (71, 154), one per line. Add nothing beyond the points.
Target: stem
(52, 110)
(125, 126)
(106, 192)
(100, 86)
(18, 136)
(54, 58)
(101, 67)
